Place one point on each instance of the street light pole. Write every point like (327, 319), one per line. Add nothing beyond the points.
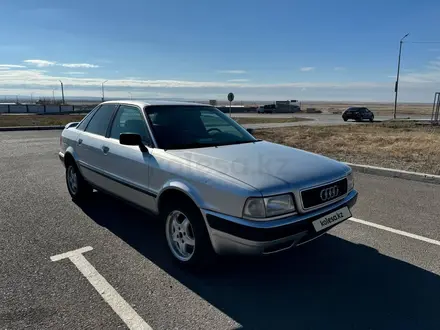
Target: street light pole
(102, 87)
(53, 95)
(396, 87)
(131, 96)
(32, 94)
(62, 90)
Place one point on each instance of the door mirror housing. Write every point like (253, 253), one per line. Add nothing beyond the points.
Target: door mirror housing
(250, 130)
(72, 124)
(132, 139)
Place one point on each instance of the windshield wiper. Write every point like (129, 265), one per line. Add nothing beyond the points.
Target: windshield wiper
(239, 142)
(191, 145)
(206, 145)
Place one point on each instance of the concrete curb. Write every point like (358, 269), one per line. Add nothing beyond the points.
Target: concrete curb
(31, 128)
(393, 173)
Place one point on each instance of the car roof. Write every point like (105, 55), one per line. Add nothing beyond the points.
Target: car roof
(146, 103)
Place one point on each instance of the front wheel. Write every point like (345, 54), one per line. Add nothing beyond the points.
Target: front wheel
(187, 236)
(77, 186)
(371, 120)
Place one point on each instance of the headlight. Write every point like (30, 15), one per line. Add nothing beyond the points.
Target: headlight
(254, 208)
(269, 206)
(350, 182)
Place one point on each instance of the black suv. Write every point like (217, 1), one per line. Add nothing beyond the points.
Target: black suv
(358, 114)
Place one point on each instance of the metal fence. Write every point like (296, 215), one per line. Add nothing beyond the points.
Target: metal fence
(41, 109)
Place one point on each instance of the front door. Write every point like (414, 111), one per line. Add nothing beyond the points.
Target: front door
(128, 165)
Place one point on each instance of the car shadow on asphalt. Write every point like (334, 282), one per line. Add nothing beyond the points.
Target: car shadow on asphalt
(330, 283)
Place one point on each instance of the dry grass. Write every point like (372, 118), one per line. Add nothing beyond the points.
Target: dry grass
(37, 120)
(385, 109)
(265, 120)
(405, 146)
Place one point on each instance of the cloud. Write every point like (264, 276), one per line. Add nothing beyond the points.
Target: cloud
(79, 65)
(11, 66)
(430, 75)
(339, 68)
(44, 63)
(414, 86)
(232, 71)
(40, 63)
(74, 73)
(42, 78)
(238, 80)
(307, 68)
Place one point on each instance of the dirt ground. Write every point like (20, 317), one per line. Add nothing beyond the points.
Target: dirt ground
(37, 120)
(400, 145)
(49, 120)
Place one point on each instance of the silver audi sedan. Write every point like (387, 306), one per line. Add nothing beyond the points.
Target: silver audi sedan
(217, 189)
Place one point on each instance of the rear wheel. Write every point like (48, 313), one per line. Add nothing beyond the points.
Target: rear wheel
(345, 119)
(187, 236)
(77, 186)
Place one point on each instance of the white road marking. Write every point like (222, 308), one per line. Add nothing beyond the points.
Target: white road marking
(396, 231)
(108, 293)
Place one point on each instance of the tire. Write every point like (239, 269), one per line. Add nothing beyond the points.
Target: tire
(179, 235)
(345, 119)
(78, 187)
(371, 120)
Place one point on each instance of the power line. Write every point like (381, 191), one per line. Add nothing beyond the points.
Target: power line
(422, 42)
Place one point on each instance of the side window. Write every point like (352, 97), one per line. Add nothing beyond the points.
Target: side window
(83, 124)
(129, 120)
(100, 121)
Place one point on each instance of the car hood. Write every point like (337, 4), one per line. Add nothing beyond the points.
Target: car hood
(266, 166)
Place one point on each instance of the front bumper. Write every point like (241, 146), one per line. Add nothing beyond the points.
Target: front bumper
(230, 235)
(61, 157)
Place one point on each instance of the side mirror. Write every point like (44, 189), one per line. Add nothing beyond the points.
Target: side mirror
(72, 124)
(250, 130)
(132, 139)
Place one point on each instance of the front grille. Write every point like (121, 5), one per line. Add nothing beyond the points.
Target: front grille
(315, 196)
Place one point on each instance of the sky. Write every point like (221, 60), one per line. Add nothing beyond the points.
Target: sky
(336, 50)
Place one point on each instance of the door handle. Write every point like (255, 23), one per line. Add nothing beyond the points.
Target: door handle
(105, 149)
(80, 141)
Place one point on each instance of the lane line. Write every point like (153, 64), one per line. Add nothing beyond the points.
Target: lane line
(396, 231)
(108, 293)
(71, 253)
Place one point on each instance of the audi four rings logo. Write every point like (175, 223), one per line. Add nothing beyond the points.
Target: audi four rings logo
(329, 193)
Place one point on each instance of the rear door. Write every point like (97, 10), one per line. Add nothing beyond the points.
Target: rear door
(127, 166)
(91, 146)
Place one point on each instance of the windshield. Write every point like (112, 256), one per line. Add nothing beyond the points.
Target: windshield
(187, 126)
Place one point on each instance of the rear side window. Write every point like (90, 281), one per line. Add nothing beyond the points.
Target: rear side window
(100, 121)
(83, 124)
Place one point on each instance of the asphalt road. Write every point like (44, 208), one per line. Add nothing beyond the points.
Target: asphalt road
(322, 119)
(355, 277)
